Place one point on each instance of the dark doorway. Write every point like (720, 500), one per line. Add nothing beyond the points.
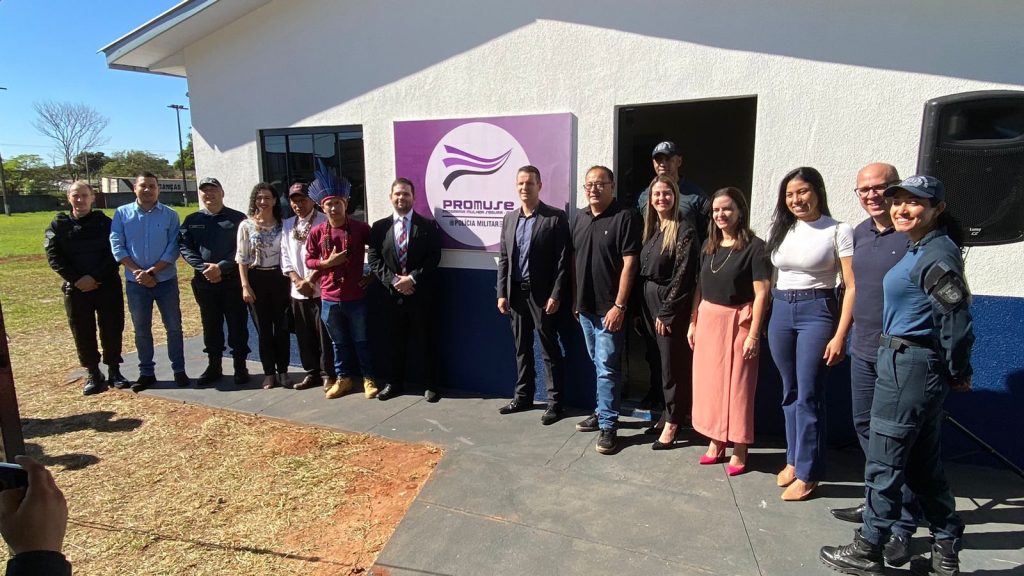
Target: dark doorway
(716, 138)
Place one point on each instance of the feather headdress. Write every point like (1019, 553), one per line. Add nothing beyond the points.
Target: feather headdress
(327, 184)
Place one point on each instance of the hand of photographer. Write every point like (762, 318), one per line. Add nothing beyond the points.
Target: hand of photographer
(36, 518)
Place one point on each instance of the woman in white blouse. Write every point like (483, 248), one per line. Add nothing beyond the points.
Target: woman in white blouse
(264, 288)
(812, 253)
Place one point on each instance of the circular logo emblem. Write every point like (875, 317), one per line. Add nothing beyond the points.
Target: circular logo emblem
(470, 182)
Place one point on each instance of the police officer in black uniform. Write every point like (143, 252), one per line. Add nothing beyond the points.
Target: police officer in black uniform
(925, 350)
(78, 248)
(208, 243)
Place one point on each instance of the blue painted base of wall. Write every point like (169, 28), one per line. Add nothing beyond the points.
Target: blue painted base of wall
(476, 354)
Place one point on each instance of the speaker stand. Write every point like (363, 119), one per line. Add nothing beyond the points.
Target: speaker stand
(985, 447)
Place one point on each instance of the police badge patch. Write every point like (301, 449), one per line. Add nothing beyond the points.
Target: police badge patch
(946, 287)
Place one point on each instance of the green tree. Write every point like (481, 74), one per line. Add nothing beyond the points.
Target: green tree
(187, 156)
(95, 160)
(128, 163)
(27, 173)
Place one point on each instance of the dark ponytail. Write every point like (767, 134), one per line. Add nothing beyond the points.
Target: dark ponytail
(954, 229)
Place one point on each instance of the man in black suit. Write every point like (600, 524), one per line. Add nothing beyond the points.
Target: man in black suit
(533, 278)
(405, 249)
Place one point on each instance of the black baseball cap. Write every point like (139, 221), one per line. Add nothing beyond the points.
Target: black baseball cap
(208, 181)
(667, 148)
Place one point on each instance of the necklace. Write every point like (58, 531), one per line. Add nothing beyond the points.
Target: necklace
(722, 265)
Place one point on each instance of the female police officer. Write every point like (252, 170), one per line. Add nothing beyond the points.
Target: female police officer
(925, 350)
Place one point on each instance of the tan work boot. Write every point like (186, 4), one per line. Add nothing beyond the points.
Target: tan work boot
(341, 387)
(369, 388)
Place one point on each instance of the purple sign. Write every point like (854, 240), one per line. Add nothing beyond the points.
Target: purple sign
(465, 170)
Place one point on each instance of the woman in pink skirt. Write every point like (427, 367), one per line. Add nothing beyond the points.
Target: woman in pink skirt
(728, 311)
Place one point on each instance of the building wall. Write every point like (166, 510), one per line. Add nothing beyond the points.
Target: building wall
(838, 85)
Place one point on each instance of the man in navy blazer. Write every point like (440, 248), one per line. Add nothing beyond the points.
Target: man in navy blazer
(533, 280)
(405, 249)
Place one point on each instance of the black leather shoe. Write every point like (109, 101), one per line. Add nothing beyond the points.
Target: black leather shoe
(855, 514)
(115, 379)
(606, 443)
(659, 445)
(516, 405)
(144, 381)
(431, 395)
(861, 558)
(94, 383)
(182, 379)
(212, 373)
(310, 381)
(897, 550)
(388, 392)
(551, 415)
(590, 424)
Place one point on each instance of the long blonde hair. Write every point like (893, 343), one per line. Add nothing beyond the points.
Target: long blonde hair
(670, 228)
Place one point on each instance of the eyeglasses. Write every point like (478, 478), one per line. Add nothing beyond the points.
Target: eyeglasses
(877, 188)
(599, 186)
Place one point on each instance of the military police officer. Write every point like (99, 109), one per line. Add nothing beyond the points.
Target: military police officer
(78, 248)
(925, 350)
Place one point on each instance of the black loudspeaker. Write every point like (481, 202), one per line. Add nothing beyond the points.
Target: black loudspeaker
(974, 143)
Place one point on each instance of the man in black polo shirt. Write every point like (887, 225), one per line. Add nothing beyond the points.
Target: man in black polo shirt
(877, 247)
(78, 248)
(606, 240)
(208, 243)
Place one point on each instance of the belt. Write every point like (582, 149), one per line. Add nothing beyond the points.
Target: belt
(524, 286)
(264, 268)
(800, 295)
(900, 344)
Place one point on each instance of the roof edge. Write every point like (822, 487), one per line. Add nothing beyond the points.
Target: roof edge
(151, 29)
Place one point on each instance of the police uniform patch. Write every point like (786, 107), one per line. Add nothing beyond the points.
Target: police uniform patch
(946, 287)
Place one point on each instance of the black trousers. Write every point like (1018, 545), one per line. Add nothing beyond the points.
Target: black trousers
(526, 316)
(673, 353)
(315, 349)
(270, 314)
(220, 303)
(411, 343)
(102, 308)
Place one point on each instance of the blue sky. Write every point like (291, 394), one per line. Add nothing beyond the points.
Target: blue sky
(48, 51)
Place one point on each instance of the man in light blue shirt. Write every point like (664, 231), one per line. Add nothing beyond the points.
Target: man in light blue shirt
(144, 238)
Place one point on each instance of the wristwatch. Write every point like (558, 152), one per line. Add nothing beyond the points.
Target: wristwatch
(621, 307)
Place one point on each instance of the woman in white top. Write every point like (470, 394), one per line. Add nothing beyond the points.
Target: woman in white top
(810, 319)
(264, 288)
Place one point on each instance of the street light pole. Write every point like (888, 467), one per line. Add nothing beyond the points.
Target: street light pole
(181, 152)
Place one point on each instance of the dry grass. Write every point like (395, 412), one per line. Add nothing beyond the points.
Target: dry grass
(158, 487)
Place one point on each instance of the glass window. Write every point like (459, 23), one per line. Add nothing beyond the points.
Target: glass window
(289, 155)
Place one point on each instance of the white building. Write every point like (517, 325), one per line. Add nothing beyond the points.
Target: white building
(749, 89)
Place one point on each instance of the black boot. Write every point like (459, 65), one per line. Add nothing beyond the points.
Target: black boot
(241, 372)
(94, 382)
(945, 560)
(212, 373)
(860, 557)
(115, 378)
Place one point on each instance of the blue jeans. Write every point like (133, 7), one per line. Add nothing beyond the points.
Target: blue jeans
(140, 306)
(605, 349)
(862, 386)
(797, 334)
(346, 325)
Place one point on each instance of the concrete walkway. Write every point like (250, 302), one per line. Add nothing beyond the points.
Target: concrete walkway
(512, 497)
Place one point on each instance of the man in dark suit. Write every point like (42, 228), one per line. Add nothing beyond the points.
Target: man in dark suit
(533, 277)
(405, 249)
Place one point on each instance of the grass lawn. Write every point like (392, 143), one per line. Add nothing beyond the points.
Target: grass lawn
(161, 487)
(22, 234)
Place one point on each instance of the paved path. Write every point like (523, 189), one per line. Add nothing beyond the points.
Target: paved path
(512, 497)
